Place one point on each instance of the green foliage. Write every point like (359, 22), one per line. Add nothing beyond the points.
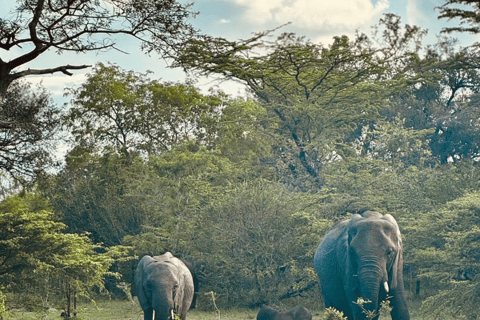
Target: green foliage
(439, 94)
(35, 250)
(313, 95)
(124, 111)
(258, 240)
(172, 189)
(446, 250)
(333, 314)
(242, 139)
(320, 100)
(3, 311)
(92, 195)
(28, 235)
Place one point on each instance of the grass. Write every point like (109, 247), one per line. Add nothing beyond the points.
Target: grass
(105, 309)
(128, 310)
(102, 310)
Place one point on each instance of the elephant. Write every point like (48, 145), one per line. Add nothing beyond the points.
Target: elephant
(197, 269)
(362, 257)
(296, 313)
(164, 287)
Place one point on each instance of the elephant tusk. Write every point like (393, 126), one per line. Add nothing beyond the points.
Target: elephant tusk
(385, 285)
(173, 316)
(153, 314)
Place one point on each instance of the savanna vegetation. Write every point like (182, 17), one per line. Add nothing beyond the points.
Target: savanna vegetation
(248, 185)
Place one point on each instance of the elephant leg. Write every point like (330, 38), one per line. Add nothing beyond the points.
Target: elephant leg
(334, 296)
(148, 313)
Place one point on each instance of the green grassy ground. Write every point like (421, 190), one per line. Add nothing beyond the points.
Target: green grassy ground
(128, 310)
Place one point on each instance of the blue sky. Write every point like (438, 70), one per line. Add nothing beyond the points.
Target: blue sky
(318, 20)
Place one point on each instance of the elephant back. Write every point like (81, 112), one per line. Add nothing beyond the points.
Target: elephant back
(267, 313)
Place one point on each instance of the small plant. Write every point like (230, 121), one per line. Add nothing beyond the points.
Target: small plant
(3, 311)
(334, 314)
(384, 310)
(213, 294)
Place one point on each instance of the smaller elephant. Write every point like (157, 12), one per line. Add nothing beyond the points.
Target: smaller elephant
(164, 287)
(296, 313)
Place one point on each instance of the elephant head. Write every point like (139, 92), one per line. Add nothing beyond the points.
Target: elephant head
(362, 258)
(164, 287)
(299, 313)
(296, 313)
(374, 257)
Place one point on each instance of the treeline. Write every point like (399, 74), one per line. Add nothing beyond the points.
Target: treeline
(248, 186)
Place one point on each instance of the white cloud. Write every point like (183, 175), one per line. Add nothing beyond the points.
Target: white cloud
(57, 83)
(223, 21)
(419, 12)
(311, 14)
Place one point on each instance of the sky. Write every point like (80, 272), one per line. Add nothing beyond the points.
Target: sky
(317, 20)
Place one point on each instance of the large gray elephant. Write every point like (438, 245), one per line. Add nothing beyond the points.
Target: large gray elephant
(362, 257)
(296, 313)
(164, 287)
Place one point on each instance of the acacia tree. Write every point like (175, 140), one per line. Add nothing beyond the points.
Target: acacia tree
(452, 9)
(82, 26)
(315, 96)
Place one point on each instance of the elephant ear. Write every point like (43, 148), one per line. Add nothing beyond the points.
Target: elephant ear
(350, 263)
(354, 219)
(140, 275)
(397, 266)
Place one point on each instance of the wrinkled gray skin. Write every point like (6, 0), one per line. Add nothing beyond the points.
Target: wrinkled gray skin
(164, 287)
(296, 313)
(362, 257)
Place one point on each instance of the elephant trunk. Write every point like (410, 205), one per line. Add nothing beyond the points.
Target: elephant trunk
(163, 306)
(372, 279)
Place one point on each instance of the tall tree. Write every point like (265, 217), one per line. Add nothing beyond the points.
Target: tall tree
(440, 94)
(126, 112)
(82, 26)
(315, 95)
(468, 11)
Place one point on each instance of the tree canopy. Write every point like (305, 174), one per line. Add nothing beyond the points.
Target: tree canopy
(125, 111)
(32, 243)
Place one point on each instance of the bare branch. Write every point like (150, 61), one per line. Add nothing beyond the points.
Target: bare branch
(62, 69)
